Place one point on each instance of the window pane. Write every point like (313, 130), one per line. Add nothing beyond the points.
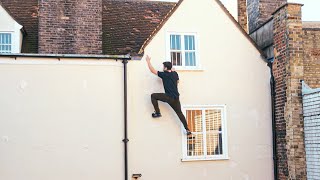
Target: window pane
(195, 145)
(213, 120)
(187, 59)
(190, 58)
(194, 119)
(195, 142)
(5, 43)
(189, 42)
(214, 144)
(173, 58)
(172, 42)
(178, 42)
(175, 42)
(176, 58)
(186, 42)
(214, 132)
(9, 38)
(179, 57)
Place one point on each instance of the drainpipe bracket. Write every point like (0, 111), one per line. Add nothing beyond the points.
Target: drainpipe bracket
(125, 140)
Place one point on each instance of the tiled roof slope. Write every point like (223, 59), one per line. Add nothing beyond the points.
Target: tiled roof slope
(26, 13)
(127, 24)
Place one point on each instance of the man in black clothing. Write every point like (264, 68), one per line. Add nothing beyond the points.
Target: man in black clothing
(171, 96)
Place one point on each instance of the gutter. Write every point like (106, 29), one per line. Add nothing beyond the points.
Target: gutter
(59, 56)
(274, 131)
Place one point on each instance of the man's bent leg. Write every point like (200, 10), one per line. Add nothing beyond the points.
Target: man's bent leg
(155, 97)
(176, 106)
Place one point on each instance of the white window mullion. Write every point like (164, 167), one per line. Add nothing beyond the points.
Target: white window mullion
(182, 51)
(204, 133)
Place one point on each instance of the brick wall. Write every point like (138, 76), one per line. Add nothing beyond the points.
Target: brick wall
(242, 14)
(311, 42)
(70, 27)
(279, 72)
(289, 71)
(260, 10)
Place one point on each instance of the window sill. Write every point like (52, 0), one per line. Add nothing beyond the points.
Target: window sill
(186, 69)
(205, 159)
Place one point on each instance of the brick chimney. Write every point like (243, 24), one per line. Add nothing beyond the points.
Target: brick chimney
(261, 10)
(242, 14)
(70, 26)
(289, 71)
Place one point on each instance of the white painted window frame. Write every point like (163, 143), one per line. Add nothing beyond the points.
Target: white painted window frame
(197, 56)
(225, 155)
(15, 38)
(12, 39)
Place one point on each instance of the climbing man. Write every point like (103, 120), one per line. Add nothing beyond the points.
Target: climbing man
(171, 96)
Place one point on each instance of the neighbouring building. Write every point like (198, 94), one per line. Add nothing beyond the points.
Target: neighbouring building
(293, 48)
(72, 71)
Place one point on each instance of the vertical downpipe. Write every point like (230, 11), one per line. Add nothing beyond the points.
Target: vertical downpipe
(274, 131)
(125, 140)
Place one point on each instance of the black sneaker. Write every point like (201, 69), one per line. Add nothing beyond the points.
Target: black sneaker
(156, 115)
(189, 132)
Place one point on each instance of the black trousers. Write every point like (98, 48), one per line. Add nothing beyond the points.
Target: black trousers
(174, 103)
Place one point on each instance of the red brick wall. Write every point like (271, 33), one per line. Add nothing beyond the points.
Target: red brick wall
(311, 42)
(289, 71)
(70, 27)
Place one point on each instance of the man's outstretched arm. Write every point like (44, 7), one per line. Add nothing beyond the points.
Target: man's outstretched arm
(150, 66)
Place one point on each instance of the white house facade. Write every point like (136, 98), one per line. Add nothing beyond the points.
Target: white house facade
(62, 116)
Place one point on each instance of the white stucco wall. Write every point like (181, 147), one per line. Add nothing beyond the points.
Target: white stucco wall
(60, 121)
(234, 74)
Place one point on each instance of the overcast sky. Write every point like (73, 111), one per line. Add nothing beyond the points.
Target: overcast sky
(310, 10)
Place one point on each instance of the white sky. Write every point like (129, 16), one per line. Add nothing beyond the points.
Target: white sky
(310, 10)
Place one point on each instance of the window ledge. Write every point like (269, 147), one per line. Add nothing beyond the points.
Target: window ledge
(186, 69)
(205, 159)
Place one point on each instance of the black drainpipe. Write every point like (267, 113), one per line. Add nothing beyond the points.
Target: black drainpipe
(274, 131)
(125, 140)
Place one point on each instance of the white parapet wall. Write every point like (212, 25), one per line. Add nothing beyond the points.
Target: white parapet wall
(311, 113)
